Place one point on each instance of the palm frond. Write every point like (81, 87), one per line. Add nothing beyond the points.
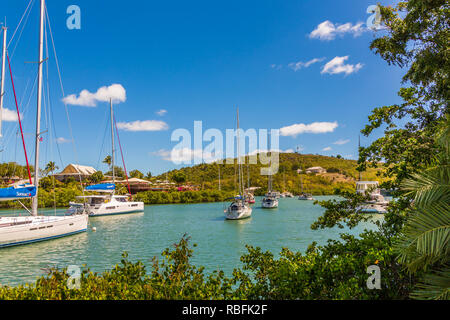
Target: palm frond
(435, 286)
(425, 237)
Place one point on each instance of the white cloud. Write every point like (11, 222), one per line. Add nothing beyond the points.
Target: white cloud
(9, 115)
(161, 112)
(327, 149)
(315, 127)
(87, 99)
(298, 65)
(146, 125)
(337, 66)
(276, 66)
(62, 140)
(341, 142)
(327, 30)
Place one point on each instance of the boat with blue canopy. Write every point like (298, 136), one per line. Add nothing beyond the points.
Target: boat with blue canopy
(17, 192)
(103, 187)
(20, 230)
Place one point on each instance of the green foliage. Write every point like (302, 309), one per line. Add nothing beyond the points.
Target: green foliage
(11, 169)
(424, 245)
(207, 175)
(50, 167)
(118, 172)
(341, 212)
(417, 38)
(174, 277)
(334, 271)
(178, 177)
(97, 177)
(136, 174)
(108, 161)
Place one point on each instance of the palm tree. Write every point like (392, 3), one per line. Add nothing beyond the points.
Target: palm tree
(424, 244)
(108, 161)
(50, 167)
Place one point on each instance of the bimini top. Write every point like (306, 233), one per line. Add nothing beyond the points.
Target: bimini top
(104, 187)
(17, 192)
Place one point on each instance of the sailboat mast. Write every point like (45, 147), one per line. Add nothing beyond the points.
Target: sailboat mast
(2, 85)
(238, 154)
(270, 161)
(34, 206)
(359, 147)
(112, 141)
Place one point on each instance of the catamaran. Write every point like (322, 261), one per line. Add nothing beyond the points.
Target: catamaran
(377, 203)
(108, 203)
(239, 208)
(34, 228)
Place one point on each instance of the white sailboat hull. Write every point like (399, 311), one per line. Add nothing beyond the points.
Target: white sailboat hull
(242, 213)
(305, 198)
(24, 230)
(108, 209)
(116, 208)
(270, 204)
(373, 208)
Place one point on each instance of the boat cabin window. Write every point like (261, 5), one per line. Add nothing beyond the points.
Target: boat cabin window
(95, 201)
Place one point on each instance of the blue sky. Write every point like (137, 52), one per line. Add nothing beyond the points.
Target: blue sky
(198, 60)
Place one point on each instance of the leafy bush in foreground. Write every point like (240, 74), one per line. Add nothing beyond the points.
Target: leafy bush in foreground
(334, 271)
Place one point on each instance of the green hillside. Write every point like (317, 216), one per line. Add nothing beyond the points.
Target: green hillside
(342, 173)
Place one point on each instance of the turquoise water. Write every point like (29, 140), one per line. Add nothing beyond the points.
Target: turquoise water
(145, 235)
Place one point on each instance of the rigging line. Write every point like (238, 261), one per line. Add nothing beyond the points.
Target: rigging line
(50, 115)
(27, 107)
(20, 35)
(103, 140)
(29, 3)
(20, 122)
(9, 132)
(123, 160)
(15, 129)
(63, 94)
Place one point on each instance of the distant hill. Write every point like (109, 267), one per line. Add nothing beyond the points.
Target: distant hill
(342, 173)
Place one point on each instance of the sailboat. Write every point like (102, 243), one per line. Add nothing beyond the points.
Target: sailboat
(28, 229)
(249, 197)
(270, 200)
(239, 208)
(108, 203)
(304, 195)
(376, 203)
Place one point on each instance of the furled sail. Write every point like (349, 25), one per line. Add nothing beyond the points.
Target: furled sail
(105, 187)
(18, 192)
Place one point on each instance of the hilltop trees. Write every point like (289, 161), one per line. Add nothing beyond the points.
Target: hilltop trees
(136, 174)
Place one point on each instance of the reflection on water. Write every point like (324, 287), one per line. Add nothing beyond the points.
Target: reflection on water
(143, 235)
